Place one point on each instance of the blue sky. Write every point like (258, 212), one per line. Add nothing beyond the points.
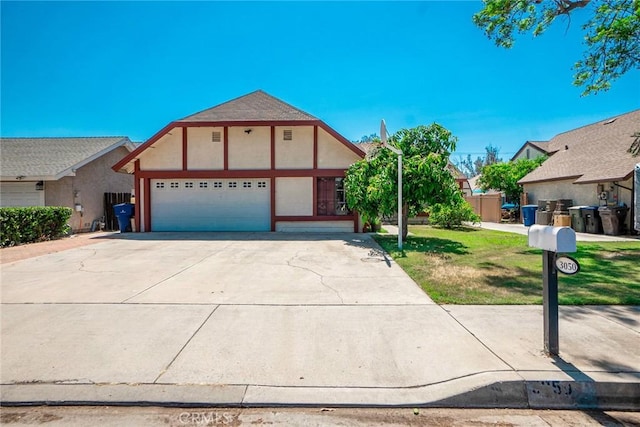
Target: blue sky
(129, 68)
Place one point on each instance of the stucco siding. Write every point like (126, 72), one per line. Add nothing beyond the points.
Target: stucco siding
(294, 196)
(165, 153)
(87, 189)
(332, 154)
(250, 150)
(296, 153)
(202, 152)
(315, 226)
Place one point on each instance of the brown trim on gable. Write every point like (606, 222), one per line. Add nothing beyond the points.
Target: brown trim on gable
(242, 173)
(132, 155)
(184, 148)
(273, 147)
(342, 139)
(226, 124)
(273, 204)
(147, 204)
(139, 201)
(225, 148)
(315, 147)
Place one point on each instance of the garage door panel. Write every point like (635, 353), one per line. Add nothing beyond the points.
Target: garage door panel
(211, 205)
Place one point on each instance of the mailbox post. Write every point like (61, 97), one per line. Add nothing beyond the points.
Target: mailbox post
(551, 240)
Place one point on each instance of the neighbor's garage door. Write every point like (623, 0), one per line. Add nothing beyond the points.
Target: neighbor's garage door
(210, 205)
(20, 194)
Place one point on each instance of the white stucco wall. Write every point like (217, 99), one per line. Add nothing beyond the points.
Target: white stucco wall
(332, 154)
(315, 226)
(202, 152)
(294, 196)
(297, 153)
(250, 150)
(165, 153)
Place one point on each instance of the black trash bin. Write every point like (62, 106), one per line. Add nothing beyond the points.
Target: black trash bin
(124, 212)
(592, 223)
(613, 219)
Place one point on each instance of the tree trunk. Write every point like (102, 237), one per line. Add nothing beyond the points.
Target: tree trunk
(405, 221)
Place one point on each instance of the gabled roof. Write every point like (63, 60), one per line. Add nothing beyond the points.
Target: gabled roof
(538, 145)
(594, 153)
(255, 106)
(49, 159)
(254, 109)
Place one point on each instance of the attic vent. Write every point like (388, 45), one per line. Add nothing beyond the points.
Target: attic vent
(288, 135)
(215, 137)
(610, 121)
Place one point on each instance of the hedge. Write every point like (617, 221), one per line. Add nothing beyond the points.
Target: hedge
(32, 224)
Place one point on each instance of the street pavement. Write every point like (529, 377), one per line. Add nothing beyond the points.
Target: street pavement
(266, 319)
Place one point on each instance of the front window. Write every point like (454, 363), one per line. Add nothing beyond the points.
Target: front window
(331, 197)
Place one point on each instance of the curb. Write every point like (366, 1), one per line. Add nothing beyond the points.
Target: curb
(508, 394)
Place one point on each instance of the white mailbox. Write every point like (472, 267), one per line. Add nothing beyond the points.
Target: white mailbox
(554, 239)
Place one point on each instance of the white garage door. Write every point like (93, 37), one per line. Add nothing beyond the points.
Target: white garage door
(20, 194)
(210, 205)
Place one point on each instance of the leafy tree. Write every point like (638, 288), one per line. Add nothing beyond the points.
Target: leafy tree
(472, 168)
(612, 33)
(370, 138)
(451, 215)
(372, 184)
(505, 176)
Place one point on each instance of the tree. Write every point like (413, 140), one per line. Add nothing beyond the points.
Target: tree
(612, 33)
(505, 176)
(472, 168)
(372, 184)
(369, 138)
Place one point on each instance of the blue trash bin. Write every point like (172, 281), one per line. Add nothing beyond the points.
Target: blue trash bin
(124, 212)
(529, 215)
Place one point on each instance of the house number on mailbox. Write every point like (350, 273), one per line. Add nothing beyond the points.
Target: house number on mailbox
(567, 265)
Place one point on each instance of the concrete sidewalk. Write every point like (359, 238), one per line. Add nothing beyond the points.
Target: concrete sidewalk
(264, 319)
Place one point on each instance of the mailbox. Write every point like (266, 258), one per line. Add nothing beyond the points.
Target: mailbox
(553, 239)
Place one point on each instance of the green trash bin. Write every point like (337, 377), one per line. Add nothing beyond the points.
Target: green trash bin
(577, 220)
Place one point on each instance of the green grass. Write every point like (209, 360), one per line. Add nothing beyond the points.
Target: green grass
(477, 266)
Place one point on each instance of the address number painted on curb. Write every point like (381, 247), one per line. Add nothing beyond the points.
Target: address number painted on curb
(567, 265)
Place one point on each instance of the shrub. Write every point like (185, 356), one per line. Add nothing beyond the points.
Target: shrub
(32, 224)
(452, 215)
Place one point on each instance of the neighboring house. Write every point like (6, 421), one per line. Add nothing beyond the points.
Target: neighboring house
(476, 189)
(590, 165)
(254, 163)
(71, 172)
(532, 149)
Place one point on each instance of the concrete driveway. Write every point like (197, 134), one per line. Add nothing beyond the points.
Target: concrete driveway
(262, 319)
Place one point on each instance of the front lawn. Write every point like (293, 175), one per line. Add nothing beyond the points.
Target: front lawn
(477, 266)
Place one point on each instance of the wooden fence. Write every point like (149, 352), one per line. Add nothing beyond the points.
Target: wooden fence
(110, 199)
(488, 206)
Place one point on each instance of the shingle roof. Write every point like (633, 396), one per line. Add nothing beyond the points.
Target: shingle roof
(51, 158)
(594, 153)
(255, 106)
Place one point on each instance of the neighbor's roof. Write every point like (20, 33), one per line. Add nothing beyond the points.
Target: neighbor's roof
(255, 106)
(594, 153)
(539, 145)
(52, 158)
